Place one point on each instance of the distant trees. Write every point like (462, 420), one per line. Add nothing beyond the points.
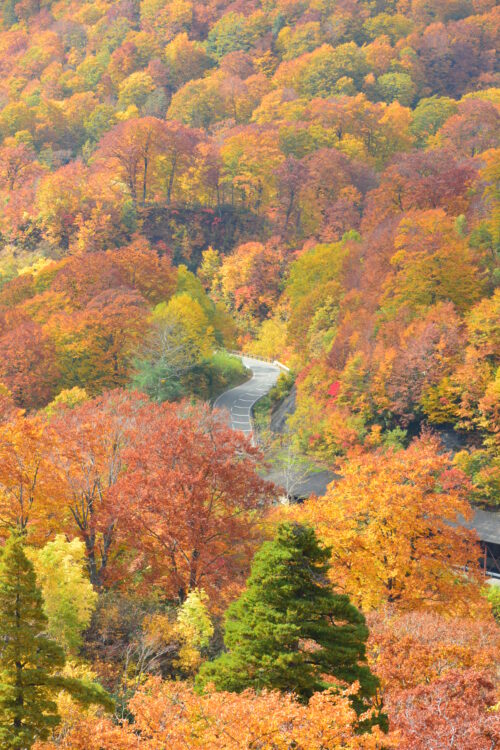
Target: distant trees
(19, 165)
(149, 151)
(76, 208)
(420, 180)
(311, 181)
(326, 71)
(132, 146)
(431, 264)
(250, 280)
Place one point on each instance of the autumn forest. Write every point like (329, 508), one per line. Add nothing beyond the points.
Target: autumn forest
(309, 183)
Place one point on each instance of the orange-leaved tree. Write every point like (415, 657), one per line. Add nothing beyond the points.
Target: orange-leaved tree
(28, 366)
(394, 523)
(92, 438)
(415, 648)
(458, 710)
(30, 498)
(95, 346)
(170, 714)
(190, 498)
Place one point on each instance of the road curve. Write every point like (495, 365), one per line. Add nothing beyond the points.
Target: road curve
(238, 401)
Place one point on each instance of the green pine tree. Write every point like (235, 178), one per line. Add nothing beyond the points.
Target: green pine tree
(30, 662)
(289, 630)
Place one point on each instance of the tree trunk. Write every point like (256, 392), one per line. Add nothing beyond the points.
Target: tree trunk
(144, 181)
(171, 180)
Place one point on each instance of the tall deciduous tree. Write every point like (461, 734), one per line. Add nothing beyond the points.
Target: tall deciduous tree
(146, 151)
(394, 524)
(179, 338)
(132, 146)
(68, 596)
(250, 279)
(29, 486)
(95, 346)
(28, 365)
(190, 498)
(144, 270)
(90, 459)
(17, 164)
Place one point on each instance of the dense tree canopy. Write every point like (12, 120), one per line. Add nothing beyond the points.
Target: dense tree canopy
(313, 181)
(392, 524)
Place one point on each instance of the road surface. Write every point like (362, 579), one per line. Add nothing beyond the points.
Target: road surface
(238, 404)
(238, 401)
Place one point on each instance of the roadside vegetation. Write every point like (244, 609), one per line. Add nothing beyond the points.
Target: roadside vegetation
(312, 181)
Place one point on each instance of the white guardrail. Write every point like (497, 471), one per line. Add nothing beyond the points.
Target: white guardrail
(274, 362)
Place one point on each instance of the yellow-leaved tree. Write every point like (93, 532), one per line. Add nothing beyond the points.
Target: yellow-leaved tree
(394, 524)
(68, 596)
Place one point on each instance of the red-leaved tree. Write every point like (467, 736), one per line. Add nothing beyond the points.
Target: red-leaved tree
(452, 712)
(190, 499)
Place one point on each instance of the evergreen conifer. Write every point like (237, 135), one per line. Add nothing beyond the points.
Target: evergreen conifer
(30, 662)
(290, 630)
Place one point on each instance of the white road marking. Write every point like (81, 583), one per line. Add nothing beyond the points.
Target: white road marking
(239, 401)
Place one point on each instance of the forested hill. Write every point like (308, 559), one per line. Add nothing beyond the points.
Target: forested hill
(316, 181)
(325, 174)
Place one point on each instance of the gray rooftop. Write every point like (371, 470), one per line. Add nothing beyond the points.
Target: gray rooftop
(487, 525)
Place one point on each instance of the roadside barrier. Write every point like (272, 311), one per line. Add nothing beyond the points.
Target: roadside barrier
(274, 362)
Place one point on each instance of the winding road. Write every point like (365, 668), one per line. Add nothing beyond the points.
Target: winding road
(238, 401)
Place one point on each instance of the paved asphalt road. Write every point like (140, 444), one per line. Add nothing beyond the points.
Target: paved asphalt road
(238, 401)
(238, 404)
